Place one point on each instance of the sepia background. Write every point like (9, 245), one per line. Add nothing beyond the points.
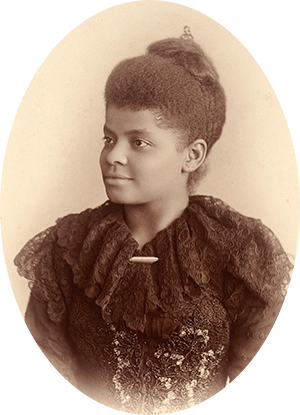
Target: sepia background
(51, 165)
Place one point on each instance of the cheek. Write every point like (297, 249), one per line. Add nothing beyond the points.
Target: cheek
(171, 164)
(159, 171)
(102, 158)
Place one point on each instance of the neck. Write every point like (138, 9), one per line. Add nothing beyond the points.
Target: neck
(146, 220)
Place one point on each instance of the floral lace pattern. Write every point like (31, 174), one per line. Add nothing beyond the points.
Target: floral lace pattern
(134, 373)
(154, 338)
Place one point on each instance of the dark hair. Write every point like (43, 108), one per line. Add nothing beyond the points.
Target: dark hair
(178, 82)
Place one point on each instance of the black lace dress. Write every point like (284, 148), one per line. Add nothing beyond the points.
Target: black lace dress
(161, 337)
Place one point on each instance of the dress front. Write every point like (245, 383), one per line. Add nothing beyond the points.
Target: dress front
(161, 337)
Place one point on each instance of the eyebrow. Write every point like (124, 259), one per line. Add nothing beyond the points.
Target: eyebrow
(129, 134)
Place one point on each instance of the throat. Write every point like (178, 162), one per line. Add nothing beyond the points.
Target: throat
(145, 222)
(142, 238)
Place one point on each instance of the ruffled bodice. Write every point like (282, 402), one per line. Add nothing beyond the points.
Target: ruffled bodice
(154, 338)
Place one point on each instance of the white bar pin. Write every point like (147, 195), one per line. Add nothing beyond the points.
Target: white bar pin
(144, 259)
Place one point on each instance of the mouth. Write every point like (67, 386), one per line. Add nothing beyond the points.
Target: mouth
(113, 178)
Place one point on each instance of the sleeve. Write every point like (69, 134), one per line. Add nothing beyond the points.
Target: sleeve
(51, 290)
(261, 272)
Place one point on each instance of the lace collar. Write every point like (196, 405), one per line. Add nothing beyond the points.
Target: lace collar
(206, 240)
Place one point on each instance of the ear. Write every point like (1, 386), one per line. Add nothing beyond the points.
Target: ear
(195, 155)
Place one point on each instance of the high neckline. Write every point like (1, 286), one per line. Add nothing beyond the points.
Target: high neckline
(147, 247)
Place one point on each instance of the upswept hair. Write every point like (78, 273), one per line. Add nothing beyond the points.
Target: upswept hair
(179, 84)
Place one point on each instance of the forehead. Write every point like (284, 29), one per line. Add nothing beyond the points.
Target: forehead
(128, 119)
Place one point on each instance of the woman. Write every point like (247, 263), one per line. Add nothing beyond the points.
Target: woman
(153, 301)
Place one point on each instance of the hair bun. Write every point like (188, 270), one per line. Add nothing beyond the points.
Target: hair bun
(187, 54)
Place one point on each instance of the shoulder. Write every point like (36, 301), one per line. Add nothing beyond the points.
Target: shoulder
(68, 232)
(222, 221)
(218, 216)
(250, 250)
(226, 228)
(219, 211)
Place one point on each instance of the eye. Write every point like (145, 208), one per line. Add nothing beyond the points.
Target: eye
(108, 141)
(140, 143)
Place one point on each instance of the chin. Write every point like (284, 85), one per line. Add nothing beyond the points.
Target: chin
(124, 199)
(117, 197)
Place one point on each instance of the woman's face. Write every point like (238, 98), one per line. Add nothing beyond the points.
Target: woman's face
(140, 162)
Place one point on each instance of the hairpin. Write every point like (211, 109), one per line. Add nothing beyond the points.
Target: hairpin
(187, 34)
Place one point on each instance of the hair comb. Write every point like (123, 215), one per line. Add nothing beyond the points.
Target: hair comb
(187, 35)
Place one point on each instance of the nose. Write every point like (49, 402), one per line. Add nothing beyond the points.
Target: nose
(116, 155)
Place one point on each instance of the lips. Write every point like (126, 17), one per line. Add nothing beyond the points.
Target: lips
(117, 176)
(114, 178)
